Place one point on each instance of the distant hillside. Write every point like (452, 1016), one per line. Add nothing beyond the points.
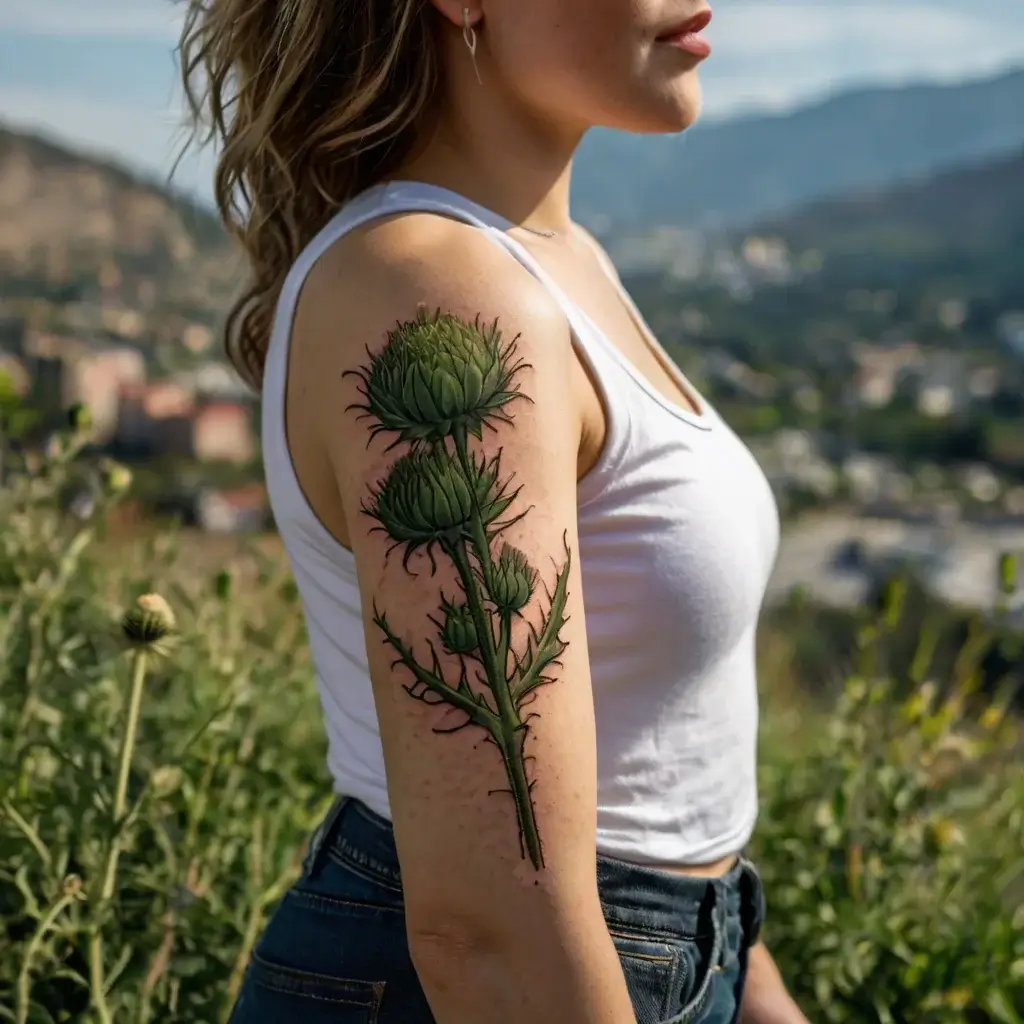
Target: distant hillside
(975, 209)
(739, 171)
(68, 219)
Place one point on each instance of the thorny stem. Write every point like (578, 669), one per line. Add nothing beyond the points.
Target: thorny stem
(511, 732)
(480, 544)
(25, 974)
(109, 878)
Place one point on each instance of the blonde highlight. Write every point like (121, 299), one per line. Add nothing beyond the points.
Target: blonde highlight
(309, 102)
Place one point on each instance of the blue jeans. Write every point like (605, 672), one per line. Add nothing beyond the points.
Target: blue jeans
(336, 951)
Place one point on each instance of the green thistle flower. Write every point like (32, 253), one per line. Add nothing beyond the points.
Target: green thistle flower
(438, 375)
(426, 498)
(514, 580)
(459, 631)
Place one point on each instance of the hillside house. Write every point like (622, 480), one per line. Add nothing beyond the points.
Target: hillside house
(237, 510)
(163, 418)
(223, 432)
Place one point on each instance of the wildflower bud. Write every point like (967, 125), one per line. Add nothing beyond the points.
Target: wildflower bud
(459, 633)
(166, 779)
(71, 886)
(944, 833)
(116, 478)
(80, 418)
(149, 622)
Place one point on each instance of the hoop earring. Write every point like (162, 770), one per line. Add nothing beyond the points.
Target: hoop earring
(469, 37)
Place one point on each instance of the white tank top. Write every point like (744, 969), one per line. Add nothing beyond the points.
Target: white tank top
(678, 532)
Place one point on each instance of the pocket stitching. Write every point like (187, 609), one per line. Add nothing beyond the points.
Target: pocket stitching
(692, 1011)
(273, 976)
(657, 934)
(649, 957)
(368, 875)
(312, 898)
(269, 984)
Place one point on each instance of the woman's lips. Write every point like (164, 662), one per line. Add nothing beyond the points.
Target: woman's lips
(687, 37)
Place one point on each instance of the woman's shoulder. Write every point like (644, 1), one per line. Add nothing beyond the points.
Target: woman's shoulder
(379, 268)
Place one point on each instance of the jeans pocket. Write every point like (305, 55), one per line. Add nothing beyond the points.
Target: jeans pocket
(275, 994)
(651, 969)
(701, 959)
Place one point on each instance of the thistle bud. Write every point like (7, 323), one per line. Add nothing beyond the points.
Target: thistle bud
(149, 623)
(71, 886)
(459, 634)
(437, 374)
(513, 581)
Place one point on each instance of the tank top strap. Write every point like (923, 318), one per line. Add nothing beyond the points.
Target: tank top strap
(395, 197)
(421, 197)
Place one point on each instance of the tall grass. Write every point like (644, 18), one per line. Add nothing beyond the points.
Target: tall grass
(162, 762)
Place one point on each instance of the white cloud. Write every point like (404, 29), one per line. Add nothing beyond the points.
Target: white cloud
(774, 55)
(763, 30)
(98, 19)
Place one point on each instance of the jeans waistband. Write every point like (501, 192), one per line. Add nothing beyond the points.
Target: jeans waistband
(632, 895)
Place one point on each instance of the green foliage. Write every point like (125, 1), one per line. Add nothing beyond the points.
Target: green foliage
(890, 838)
(152, 808)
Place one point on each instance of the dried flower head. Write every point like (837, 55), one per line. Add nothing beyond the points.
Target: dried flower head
(150, 624)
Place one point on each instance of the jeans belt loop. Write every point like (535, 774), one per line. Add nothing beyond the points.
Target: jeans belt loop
(311, 862)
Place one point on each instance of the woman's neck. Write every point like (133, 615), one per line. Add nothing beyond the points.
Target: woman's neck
(508, 164)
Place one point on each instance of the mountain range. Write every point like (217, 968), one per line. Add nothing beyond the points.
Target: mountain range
(976, 209)
(743, 170)
(917, 171)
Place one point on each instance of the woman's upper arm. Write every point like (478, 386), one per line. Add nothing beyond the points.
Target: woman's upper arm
(454, 440)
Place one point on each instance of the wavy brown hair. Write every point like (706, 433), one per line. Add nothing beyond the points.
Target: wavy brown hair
(308, 102)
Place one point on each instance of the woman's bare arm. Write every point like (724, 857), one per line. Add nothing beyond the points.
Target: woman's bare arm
(446, 402)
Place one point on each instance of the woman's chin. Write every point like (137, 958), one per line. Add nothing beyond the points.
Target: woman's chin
(671, 114)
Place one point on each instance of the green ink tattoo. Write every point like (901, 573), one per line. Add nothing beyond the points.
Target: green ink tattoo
(437, 381)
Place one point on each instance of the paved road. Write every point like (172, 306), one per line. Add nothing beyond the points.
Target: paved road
(964, 558)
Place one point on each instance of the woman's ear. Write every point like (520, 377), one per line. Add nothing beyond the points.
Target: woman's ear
(459, 12)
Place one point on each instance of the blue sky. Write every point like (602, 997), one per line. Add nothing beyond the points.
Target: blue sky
(101, 72)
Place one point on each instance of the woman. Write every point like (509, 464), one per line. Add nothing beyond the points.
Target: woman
(467, 430)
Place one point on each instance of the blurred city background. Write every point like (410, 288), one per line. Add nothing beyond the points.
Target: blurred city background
(836, 255)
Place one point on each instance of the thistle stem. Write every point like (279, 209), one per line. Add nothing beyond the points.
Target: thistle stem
(481, 547)
(109, 878)
(511, 731)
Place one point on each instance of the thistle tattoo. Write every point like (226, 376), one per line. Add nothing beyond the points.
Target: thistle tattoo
(438, 381)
